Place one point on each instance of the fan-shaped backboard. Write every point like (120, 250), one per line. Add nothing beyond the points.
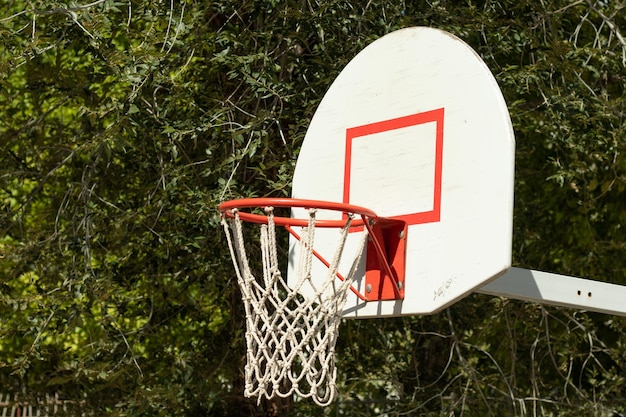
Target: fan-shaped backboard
(416, 128)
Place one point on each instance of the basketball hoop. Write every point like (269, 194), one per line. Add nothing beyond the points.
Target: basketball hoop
(291, 337)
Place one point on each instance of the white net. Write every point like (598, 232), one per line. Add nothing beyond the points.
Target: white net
(290, 338)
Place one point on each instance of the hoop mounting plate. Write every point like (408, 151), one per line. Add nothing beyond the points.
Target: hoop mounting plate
(378, 284)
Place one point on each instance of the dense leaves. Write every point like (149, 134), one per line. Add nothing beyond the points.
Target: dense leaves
(125, 123)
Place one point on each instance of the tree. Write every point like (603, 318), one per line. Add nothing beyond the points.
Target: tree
(126, 123)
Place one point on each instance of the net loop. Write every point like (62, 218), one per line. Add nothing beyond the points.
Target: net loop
(290, 338)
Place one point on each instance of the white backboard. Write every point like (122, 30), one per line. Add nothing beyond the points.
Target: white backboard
(416, 128)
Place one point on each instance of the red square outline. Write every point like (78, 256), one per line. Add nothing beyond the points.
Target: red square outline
(436, 116)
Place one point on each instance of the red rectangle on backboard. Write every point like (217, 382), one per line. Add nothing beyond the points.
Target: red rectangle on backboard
(355, 133)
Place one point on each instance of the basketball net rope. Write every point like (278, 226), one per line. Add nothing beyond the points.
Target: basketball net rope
(290, 338)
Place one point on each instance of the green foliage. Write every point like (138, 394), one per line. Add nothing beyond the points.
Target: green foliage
(124, 124)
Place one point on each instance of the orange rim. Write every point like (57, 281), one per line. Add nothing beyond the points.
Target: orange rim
(228, 209)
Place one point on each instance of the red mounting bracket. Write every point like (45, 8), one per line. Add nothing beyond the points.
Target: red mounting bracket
(386, 259)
